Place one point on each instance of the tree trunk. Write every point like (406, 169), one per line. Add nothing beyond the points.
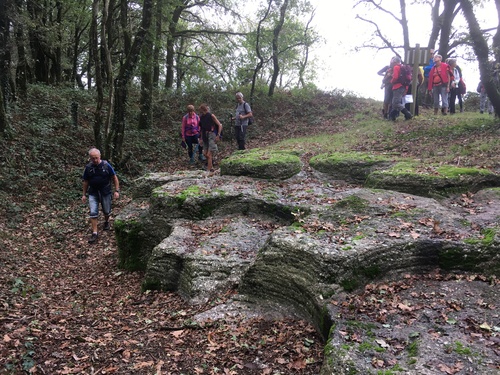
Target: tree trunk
(496, 37)
(172, 28)
(446, 21)
(4, 54)
(105, 35)
(94, 41)
(22, 65)
(38, 55)
(480, 47)
(276, 35)
(146, 101)
(124, 26)
(4, 64)
(156, 51)
(3, 116)
(260, 64)
(121, 81)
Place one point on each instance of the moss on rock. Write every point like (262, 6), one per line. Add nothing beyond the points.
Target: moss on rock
(351, 167)
(430, 180)
(258, 163)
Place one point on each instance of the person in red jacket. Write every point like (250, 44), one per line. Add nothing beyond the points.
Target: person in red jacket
(398, 92)
(440, 78)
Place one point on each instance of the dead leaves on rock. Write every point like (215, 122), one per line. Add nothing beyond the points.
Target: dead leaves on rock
(386, 319)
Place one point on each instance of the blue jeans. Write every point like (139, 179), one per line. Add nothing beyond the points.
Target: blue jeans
(440, 91)
(105, 201)
(484, 103)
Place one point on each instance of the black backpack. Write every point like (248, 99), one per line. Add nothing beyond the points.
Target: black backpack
(250, 119)
(405, 74)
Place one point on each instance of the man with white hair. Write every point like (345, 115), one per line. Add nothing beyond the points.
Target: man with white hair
(97, 177)
(243, 115)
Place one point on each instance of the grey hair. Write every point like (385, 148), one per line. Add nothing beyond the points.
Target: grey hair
(239, 95)
(451, 61)
(396, 59)
(441, 57)
(94, 150)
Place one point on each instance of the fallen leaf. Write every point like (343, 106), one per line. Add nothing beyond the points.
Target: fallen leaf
(485, 326)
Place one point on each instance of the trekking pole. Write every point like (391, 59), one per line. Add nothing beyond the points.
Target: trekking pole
(231, 119)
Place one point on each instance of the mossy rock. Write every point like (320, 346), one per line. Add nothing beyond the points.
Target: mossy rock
(351, 167)
(136, 234)
(432, 181)
(265, 164)
(144, 186)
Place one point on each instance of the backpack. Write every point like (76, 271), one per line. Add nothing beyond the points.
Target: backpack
(405, 74)
(250, 119)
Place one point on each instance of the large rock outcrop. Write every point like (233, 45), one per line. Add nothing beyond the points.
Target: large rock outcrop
(302, 241)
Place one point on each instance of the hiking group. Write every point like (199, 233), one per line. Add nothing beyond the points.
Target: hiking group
(443, 80)
(200, 134)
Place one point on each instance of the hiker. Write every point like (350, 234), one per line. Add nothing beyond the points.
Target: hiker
(97, 177)
(399, 90)
(211, 129)
(420, 80)
(241, 120)
(439, 84)
(428, 101)
(190, 131)
(456, 86)
(386, 72)
(484, 101)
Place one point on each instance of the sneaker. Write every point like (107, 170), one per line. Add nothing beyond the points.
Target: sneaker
(106, 225)
(202, 157)
(93, 238)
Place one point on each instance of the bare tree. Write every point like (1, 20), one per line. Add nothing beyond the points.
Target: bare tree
(260, 62)
(275, 56)
(488, 70)
(117, 132)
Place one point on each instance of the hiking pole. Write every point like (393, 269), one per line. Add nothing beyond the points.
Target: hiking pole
(231, 120)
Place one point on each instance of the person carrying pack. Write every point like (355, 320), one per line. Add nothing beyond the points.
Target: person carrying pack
(97, 178)
(440, 78)
(190, 132)
(242, 119)
(400, 82)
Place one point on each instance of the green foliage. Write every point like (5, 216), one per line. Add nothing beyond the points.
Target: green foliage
(412, 348)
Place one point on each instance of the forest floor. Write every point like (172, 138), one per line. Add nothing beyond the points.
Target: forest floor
(66, 308)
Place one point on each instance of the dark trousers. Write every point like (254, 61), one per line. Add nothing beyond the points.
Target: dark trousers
(240, 133)
(190, 141)
(454, 94)
(415, 100)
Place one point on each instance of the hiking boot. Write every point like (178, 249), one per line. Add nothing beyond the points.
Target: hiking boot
(202, 157)
(394, 113)
(191, 160)
(106, 226)
(93, 238)
(407, 114)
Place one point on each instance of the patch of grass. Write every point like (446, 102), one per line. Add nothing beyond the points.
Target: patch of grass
(462, 349)
(412, 348)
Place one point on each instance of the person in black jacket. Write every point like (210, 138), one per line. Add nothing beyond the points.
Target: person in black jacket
(97, 178)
